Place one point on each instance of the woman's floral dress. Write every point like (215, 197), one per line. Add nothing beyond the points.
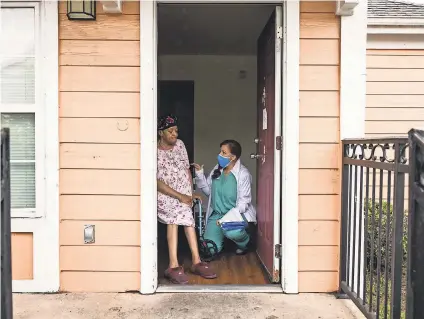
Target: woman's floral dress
(173, 170)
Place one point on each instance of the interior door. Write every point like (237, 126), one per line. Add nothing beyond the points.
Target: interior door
(177, 98)
(268, 151)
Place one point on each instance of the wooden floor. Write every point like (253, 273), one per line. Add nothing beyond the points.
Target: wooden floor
(230, 268)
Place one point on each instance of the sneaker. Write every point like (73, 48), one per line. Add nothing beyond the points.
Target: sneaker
(240, 251)
(203, 270)
(176, 275)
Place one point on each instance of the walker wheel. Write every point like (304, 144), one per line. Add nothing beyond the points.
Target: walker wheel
(208, 250)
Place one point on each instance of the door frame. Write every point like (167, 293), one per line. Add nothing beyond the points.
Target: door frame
(148, 142)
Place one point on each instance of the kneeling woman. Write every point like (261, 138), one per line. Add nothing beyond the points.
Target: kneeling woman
(230, 206)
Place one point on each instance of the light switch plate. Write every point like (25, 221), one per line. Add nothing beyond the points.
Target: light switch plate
(89, 237)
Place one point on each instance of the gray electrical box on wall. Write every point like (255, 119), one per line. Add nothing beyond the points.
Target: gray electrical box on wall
(89, 237)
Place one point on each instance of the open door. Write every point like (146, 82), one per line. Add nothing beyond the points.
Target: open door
(268, 151)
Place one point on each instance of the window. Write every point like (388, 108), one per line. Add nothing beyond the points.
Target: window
(21, 104)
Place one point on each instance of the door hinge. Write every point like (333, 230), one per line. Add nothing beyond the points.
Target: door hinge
(278, 251)
(279, 143)
(279, 32)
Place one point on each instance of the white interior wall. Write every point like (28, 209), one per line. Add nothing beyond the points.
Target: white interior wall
(224, 103)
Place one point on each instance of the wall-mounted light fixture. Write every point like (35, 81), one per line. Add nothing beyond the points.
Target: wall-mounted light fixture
(81, 9)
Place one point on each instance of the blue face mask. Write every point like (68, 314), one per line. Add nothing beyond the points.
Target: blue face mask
(223, 161)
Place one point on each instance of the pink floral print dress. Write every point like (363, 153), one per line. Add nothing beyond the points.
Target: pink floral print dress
(173, 168)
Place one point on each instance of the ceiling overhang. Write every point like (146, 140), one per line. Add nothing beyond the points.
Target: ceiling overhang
(346, 7)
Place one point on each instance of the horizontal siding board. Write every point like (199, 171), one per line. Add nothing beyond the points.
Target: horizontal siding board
(395, 75)
(324, 258)
(102, 156)
(99, 207)
(106, 53)
(319, 78)
(391, 127)
(318, 233)
(107, 233)
(82, 281)
(319, 52)
(319, 130)
(318, 281)
(400, 88)
(319, 104)
(319, 207)
(106, 27)
(99, 258)
(99, 130)
(395, 62)
(395, 114)
(318, 155)
(319, 182)
(399, 101)
(102, 182)
(317, 6)
(319, 25)
(99, 104)
(100, 79)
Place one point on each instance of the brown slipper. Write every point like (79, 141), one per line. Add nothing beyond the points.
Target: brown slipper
(203, 270)
(176, 275)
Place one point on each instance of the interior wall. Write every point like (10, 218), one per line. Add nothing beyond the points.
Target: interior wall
(224, 103)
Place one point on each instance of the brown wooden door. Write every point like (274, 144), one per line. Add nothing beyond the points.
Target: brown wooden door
(267, 156)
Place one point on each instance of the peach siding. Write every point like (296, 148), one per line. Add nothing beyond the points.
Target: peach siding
(395, 83)
(99, 150)
(22, 256)
(319, 178)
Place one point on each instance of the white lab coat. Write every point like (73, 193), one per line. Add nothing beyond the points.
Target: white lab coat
(244, 194)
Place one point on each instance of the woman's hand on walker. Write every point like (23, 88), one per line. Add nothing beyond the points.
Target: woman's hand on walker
(185, 199)
(197, 167)
(196, 196)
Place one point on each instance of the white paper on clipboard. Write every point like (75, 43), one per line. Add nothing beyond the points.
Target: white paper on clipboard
(264, 119)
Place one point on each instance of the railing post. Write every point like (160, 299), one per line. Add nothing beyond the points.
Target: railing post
(415, 269)
(397, 249)
(5, 240)
(343, 223)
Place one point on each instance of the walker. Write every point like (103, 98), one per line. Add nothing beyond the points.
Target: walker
(207, 248)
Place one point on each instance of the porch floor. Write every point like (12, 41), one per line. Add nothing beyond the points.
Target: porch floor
(179, 305)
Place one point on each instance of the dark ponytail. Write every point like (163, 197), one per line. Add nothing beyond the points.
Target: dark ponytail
(235, 149)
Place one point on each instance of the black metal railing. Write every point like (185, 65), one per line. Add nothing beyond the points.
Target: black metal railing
(415, 287)
(5, 236)
(374, 234)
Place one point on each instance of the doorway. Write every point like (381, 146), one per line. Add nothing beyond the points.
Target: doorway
(236, 71)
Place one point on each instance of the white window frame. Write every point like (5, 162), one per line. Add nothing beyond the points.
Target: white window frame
(44, 224)
(38, 108)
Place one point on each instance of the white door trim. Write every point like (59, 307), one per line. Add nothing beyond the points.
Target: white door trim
(45, 227)
(290, 162)
(148, 138)
(353, 69)
(148, 146)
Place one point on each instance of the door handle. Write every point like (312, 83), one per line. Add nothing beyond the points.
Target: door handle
(256, 140)
(255, 156)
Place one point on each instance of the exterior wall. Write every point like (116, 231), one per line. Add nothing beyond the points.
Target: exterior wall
(99, 150)
(22, 256)
(395, 82)
(319, 136)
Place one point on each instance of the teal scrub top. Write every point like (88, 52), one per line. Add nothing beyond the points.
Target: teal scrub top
(224, 193)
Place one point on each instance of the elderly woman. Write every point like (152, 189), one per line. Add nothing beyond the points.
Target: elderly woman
(175, 200)
(230, 206)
